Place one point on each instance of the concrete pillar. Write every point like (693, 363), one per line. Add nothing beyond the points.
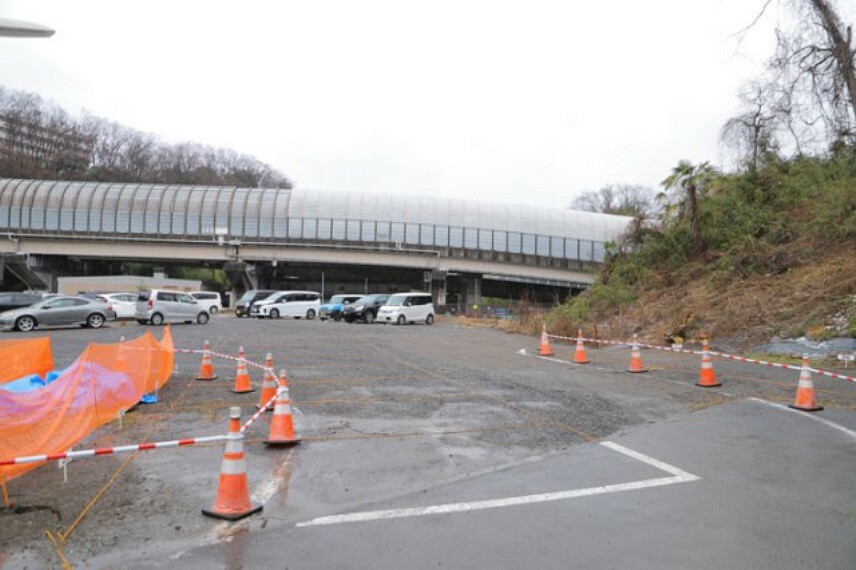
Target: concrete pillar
(438, 288)
(472, 292)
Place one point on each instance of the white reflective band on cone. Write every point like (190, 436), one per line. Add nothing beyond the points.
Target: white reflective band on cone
(233, 467)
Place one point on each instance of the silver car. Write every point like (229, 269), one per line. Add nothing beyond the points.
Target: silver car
(158, 306)
(58, 311)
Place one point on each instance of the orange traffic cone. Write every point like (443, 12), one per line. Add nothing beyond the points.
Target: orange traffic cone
(268, 386)
(206, 370)
(242, 377)
(282, 423)
(707, 376)
(233, 495)
(636, 365)
(806, 400)
(580, 353)
(545, 349)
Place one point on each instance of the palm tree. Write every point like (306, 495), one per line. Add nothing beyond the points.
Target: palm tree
(691, 184)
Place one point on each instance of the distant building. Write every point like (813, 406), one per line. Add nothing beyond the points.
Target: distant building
(27, 145)
(123, 284)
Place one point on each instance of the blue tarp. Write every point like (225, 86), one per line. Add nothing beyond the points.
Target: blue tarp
(31, 382)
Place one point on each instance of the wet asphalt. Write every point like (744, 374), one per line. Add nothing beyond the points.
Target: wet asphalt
(455, 421)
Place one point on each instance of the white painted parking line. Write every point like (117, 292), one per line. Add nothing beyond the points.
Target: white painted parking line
(826, 422)
(677, 476)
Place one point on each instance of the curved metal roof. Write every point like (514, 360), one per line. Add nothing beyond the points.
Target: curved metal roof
(456, 212)
(274, 214)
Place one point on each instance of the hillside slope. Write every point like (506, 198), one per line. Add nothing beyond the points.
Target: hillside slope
(816, 299)
(769, 254)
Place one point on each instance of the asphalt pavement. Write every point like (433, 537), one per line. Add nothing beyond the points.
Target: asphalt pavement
(445, 446)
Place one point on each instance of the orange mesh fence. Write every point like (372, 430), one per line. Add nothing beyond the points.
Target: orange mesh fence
(105, 379)
(19, 358)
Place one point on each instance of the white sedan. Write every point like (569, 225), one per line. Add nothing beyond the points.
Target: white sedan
(125, 304)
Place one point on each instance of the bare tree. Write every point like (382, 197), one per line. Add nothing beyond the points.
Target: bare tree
(752, 133)
(619, 199)
(41, 140)
(813, 75)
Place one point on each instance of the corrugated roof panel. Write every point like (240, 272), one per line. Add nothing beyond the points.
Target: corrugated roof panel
(456, 212)
(202, 205)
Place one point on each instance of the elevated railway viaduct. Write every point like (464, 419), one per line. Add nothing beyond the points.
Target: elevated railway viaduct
(460, 249)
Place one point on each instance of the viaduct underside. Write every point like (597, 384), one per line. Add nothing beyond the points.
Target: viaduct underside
(458, 278)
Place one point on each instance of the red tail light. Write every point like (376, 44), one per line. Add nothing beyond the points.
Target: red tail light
(151, 305)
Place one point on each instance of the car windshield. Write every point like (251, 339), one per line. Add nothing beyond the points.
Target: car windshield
(338, 299)
(396, 300)
(248, 296)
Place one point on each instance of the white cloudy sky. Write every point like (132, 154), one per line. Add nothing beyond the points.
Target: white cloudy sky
(529, 101)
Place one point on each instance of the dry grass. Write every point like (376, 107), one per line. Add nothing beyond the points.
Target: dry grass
(739, 313)
(749, 311)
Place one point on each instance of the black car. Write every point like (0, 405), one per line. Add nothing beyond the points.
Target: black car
(14, 300)
(245, 303)
(364, 309)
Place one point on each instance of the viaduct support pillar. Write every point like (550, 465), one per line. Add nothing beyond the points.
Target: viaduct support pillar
(439, 289)
(472, 293)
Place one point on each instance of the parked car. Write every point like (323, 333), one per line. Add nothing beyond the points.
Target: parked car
(295, 304)
(333, 308)
(157, 307)
(125, 304)
(364, 309)
(58, 310)
(404, 308)
(208, 299)
(16, 300)
(244, 306)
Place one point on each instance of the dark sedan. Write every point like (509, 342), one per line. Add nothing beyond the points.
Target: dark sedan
(364, 309)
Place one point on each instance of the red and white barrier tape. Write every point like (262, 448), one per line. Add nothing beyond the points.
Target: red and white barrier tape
(271, 371)
(257, 415)
(710, 352)
(112, 450)
(230, 357)
(227, 357)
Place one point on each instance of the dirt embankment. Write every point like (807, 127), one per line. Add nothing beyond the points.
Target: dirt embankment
(815, 298)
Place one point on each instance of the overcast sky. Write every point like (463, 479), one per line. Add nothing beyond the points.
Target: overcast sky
(530, 102)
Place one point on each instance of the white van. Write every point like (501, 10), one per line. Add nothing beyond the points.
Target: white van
(157, 307)
(295, 304)
(208, 299)
(404, 308)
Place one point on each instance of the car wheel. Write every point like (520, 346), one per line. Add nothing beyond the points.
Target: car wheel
(401, 320)
(310, 314)
(94, 321)
(337, 317)
(25, 324)
(274, 313)
(429, 320)
(203, 318)
(213, 310)
(157, 319)
(369, 317)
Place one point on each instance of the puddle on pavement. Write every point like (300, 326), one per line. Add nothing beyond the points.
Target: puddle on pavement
(234, 538)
